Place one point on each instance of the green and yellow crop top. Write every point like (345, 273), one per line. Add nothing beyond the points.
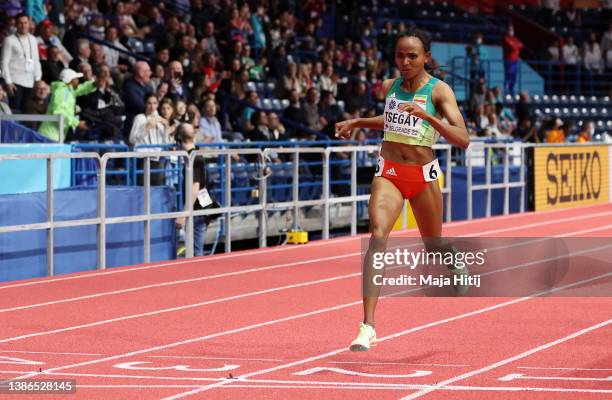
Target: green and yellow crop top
(402, 127)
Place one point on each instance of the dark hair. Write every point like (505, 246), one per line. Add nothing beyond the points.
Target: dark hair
(423, 36)
(147, 97)
(21, 15)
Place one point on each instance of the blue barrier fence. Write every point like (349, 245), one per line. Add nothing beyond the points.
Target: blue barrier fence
(13, 132)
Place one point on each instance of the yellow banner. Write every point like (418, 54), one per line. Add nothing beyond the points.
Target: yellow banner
(569, 176)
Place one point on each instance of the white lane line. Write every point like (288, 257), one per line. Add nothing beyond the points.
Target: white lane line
(538, 224)
(600, 228)
(185, 307)
(118, 270)
(398, 363)
(567, 368)
(208, 302)
(219, 358)
(207, 277)
(336, 385)
(49, 352)
(203, 278)
(509, 359)
(393, 336)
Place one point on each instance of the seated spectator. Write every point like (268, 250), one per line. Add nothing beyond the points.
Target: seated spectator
(117, 61)
(261, 130)
(523, 107)
(209, 124)
(329, 112)
(311, 110)
(291, 81)
(180, 107)
(52, 66)
(295, 112)
(329, 80)
(87, 71)
(586, 132)
(83, 54)
(556, 134)
(526, 132)
(178, 88)
(606, 47)
(245, 119)
(37, 103)
(358, 102)
(276, 127)
(593, 60)
(47, 39)
(150, 128)
(102, 108)
(167, 112)
(63, 102)
(478, 96)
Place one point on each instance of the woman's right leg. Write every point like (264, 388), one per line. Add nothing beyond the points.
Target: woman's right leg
(386, 204)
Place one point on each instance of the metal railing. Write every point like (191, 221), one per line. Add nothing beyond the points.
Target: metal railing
(263, 206)
(59, 119)
(490, 152)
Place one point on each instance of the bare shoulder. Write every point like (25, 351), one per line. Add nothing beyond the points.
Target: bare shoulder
(386, 85)
(442, 92)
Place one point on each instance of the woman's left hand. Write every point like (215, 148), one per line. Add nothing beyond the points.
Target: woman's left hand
(414, 109)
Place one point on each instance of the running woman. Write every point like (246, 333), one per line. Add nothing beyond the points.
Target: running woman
(407, 169)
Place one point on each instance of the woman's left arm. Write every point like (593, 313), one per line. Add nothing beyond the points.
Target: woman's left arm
(445, 102)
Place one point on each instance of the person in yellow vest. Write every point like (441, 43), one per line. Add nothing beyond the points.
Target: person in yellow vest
(63, 102)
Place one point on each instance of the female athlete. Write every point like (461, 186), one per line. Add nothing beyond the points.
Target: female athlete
(407, 168)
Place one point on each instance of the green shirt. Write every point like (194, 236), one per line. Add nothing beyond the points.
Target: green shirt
(63, 102)
(402, 127)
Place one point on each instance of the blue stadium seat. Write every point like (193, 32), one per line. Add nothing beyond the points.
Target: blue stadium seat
(240, 181)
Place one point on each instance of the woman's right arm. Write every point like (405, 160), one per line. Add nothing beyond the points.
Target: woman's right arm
(344, 129)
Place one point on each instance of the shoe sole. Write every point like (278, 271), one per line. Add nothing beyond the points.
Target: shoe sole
(360, 347)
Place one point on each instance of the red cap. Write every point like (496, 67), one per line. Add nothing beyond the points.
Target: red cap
(46, 23)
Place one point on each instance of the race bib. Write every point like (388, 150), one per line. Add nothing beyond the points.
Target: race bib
(431, 171)
(402, 123)
(204, 198)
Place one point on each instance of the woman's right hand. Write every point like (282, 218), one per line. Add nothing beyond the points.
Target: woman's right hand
(344, 129)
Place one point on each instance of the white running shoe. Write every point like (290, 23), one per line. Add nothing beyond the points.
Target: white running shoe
(365, 338)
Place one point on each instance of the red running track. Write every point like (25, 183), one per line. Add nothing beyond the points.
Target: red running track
(275, 324)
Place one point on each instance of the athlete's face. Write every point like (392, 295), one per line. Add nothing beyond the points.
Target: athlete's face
(410, 56)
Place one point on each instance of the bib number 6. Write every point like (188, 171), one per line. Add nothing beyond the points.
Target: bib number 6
(433, 173)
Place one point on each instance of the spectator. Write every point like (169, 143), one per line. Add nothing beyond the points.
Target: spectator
(245, 120)
(276, 127)
(116, 60)
(555, 134)
(209, 124)
(330, 113)
(178, 89)
(329, 80)
(606, 47)
(37, 103)
(4, 107)
(48, 39)
(150, 128)
(52, 66)
(20, 64)
(259, 36)
(358, 103)
(63, 101)
(523, 107)
(159, 73)
(102, 108)
(553, 51)
(593, 60)
(87, 71)
(134, 91)
(571, 58)
(478, 96)
(291, 81)
(261, 131)
(295, 111)
(586, 132)
(526, 132)
(512, 51)
(83, 54)
(211, 41)
(311, 110)
(167, 112)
